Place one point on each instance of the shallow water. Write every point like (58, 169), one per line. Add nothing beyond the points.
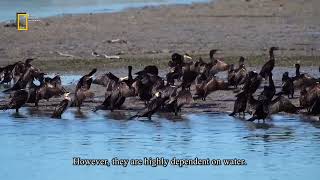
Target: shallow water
(44, 8)
(42, 148)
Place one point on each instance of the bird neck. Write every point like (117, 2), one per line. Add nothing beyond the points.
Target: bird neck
(271, 83)
(297, 71)
(271, 54)
(130, 74)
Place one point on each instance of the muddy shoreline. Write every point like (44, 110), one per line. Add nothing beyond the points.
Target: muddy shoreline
(237, 27)
(218, 101)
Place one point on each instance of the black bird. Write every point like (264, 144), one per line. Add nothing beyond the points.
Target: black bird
(62, 107)
(252, 82)
(240, 105)
(241, 62)
(268, 91)
(176, 60)
(315, 108)
(188, 78)
(287, 85)
(146, 85)
(261, 111)
(268, 66)
(151, 69)
(155, 104)
(129, 81)
(175, 74)
(212, 53)
(20, 98)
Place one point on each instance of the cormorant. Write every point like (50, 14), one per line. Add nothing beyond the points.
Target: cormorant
(82, 89)
(282, 104)
(287, 87)
(261, 110)
(175, 103)
(151, 69)
(252, 82)
(20, 98)
(303, 80)
(213, 85)
(62, 107)
(240, 105)
(152, 107)
(268, 91)
(268, 66)
(309, 97)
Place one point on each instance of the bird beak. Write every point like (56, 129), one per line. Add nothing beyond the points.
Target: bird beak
(187, 57)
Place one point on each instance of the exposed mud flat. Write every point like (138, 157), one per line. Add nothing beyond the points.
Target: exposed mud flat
(239, 27)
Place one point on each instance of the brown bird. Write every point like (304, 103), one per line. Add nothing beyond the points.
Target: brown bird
(82, 89)
(309, 97)
(62, 107)
(20, 98)
(282, 104)
(155, 104)
(303, 80)
(214, 85)
(47, 91)
(176, 102)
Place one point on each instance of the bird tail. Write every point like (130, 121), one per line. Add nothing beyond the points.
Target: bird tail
(133, 117)
(100, 107)
(4, 108)
(56, 116)
(232, 114)
(252, 119)
(7, 90)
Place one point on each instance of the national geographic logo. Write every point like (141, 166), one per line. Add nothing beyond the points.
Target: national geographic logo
(23, 19)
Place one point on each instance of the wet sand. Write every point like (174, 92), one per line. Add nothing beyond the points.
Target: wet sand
(238, 27)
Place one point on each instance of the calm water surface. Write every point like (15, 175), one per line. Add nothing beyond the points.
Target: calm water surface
(42, 148)
(36, 147)
(44, 8)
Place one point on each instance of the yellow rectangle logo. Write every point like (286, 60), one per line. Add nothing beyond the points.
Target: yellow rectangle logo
(22, 21)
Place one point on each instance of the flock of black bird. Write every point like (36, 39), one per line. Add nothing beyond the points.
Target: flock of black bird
(171, 93)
